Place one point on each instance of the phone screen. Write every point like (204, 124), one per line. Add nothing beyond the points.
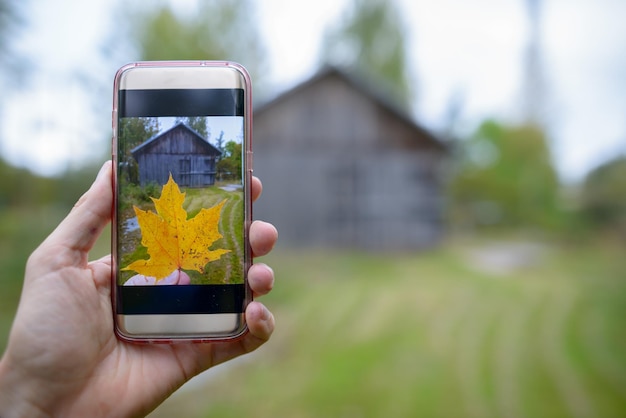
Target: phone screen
(180, 203)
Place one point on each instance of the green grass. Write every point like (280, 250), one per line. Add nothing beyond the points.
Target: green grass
(365, 335)
(231, 227)
(368, 335)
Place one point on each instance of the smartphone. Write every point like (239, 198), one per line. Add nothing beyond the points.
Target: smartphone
(182, 154)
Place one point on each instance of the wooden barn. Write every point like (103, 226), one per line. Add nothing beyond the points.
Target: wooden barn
(343, 167)
(181, 151)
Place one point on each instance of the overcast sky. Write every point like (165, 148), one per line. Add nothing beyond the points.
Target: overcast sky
(471, 50)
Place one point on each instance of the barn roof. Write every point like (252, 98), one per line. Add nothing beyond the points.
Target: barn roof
(361, 84)
(205, 143)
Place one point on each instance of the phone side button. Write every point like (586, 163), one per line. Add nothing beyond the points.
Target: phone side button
(249, 160)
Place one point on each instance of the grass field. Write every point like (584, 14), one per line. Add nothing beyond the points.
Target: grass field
(364, 335)
(429, 335)
(231, 226)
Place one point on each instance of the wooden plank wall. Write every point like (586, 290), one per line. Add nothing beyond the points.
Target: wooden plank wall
(340, 170)
(164, 156)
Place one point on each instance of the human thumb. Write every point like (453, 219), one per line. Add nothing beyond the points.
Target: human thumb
(78, 232)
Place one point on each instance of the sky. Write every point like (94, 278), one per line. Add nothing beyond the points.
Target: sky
(468, 52)
(231, 126)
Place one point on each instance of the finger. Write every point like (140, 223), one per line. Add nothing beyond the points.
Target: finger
(263, 236)
(257, 188)
(82, 226)
(260, 326)
(106, 260)
(261, 279)
(101, 269)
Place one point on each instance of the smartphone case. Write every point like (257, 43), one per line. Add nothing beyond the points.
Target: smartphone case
(180, 248)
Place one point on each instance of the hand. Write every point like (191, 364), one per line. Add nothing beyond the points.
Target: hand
(175, 277)
(63, 359)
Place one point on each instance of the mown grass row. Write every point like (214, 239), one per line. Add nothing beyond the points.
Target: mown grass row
(228, 269)
(360, 335)
(231, 225)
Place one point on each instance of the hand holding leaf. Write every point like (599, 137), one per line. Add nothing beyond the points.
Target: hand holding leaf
(176, 277)
(173, 241)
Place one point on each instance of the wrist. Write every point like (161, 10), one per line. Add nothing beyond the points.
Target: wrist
(18, 397)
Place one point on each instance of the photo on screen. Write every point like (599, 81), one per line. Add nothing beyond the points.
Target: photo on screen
(181, 200)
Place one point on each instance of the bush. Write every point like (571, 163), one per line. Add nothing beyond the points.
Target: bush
(133, 194)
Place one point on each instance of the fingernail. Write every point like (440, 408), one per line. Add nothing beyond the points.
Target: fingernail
(265, 313)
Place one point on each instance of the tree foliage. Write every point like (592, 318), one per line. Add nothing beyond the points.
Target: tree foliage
(218, 30)
(229, 166)
(505, 177)
(134, 132)
(20, 188)
(7, 18)
(371, 38)
(219, 142)
(603, 197)
(197, 123)
(11, 19)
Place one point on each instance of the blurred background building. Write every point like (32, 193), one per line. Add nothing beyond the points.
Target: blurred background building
(344, 166)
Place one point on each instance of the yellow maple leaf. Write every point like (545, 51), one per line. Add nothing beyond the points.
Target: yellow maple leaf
(173, 241)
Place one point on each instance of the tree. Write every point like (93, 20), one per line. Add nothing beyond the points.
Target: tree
(219, 142)
(229, 166)
(133, 132)
(505, 177)
(10, 20)
(218, 30)
(197, 123)
(603, 198)
(370, 38)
